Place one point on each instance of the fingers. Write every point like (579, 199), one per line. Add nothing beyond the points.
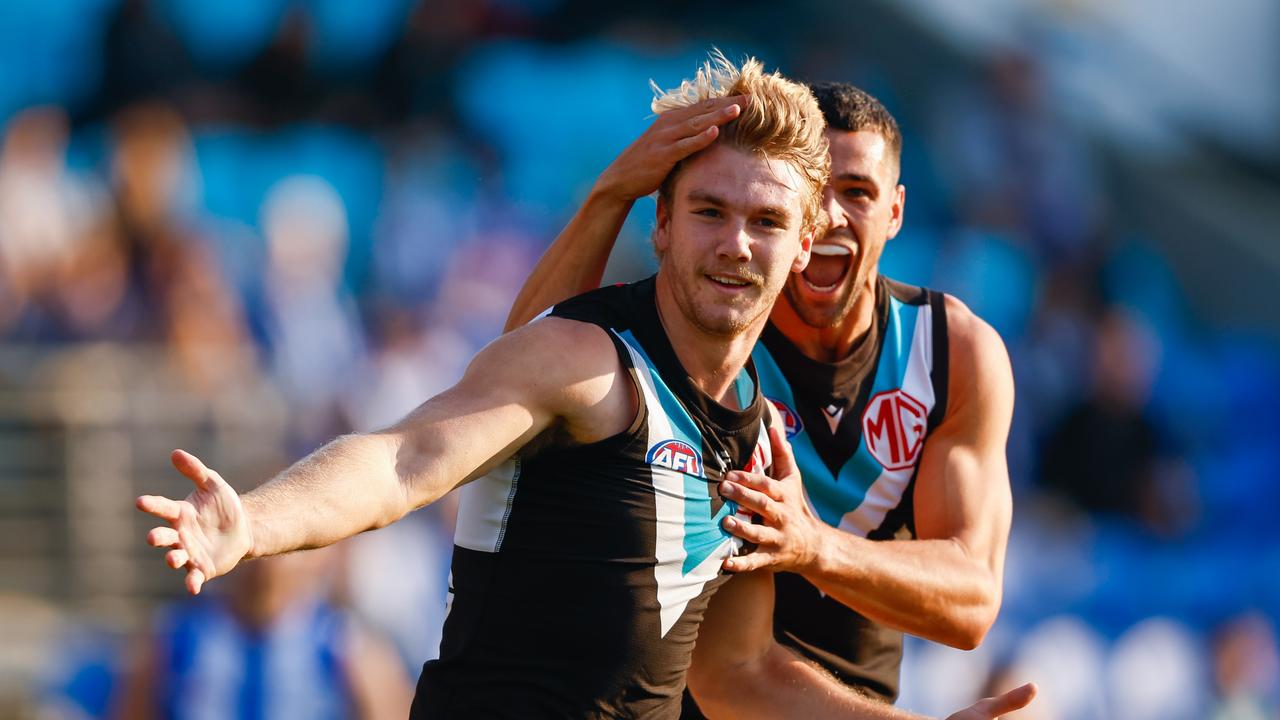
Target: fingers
(746, 563)
(688, 136)
(708, 106)
(750, 499)
(162, 507)
(718, 115)
(756, 481)
(1015, 699)
(784, 461)
(162, 537)
(685, 147)
(195, 580)
(195, 470)
(758, 534)
(176, 558)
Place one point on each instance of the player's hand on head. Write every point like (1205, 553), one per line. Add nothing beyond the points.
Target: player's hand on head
(207, 533)
(789, 535)
(674, 136)
(993, 707)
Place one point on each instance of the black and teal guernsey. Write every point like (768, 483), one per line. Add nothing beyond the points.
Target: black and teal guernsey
(581, 572)
(857, 428)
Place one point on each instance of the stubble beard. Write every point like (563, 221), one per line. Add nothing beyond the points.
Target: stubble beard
(825, 317)
(726, 325)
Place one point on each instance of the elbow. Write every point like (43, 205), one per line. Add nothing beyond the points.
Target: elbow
(967, 636)
(969, 630)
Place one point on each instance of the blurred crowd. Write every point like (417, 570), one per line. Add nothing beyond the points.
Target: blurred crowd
(342, 199)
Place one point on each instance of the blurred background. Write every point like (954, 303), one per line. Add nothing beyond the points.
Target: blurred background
(245, 226)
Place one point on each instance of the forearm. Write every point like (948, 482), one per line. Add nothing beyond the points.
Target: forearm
(933, 589)
(782, 685)
(346, 487)
(575, 262)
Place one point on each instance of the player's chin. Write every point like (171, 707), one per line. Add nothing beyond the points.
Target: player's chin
(732, 318)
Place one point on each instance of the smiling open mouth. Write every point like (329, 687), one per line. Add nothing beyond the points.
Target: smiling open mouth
(729, 281)
(827, 268)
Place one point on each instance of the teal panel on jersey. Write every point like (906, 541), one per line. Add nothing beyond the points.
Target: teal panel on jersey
(863, 469)
(703, 533)
(818, 480)
(834, 496)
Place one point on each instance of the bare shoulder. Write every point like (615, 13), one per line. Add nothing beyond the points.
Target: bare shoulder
(570, 368)
(980, 371)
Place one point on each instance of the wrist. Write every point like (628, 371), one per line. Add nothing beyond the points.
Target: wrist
(818, 549)
(250, 542)
(605, 195)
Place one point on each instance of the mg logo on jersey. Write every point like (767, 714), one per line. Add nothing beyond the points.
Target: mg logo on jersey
(893, 427)
(676, 455)
(789, 418)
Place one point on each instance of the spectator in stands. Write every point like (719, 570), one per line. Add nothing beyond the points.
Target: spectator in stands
(271, 646)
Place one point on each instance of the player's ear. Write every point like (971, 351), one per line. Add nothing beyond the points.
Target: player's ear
(899, 203)
(662, 230)
(806, 247)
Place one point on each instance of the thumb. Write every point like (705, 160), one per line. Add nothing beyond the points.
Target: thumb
(194, 469)
(1015, 699)
(784, 462)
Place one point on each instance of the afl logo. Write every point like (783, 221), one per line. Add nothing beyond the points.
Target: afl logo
(789, 418)
(893, 427)
(675, 455)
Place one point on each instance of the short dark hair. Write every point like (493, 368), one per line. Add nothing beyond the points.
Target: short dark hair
(848, 108)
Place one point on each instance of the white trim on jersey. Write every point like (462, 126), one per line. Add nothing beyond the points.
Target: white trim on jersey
(675, 588)
(887, 490)
(484, 507)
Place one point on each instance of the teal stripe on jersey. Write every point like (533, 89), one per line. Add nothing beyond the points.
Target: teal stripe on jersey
(818, 481)
(834, 496)
(863, 469)
(703, 534)
(682, 424)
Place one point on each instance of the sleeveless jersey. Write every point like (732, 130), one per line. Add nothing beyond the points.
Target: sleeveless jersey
(212, 666)
(581, 572)
(857, 428)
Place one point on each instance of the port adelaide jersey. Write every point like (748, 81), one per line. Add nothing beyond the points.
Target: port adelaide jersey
(581, 572)
(857, 428)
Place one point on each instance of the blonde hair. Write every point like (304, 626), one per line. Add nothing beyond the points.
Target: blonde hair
(782, 121)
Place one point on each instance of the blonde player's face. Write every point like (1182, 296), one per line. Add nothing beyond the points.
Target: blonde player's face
(731, 236)
(864, 204)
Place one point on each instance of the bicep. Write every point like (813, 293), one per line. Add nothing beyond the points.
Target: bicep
(962, 490)
(516, 388)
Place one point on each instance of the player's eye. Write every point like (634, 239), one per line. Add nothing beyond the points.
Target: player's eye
(856, 193)
(707, 212)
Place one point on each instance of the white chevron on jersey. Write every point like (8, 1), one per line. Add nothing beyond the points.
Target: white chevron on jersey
(886, 492)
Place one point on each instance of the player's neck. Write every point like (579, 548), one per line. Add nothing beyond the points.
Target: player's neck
(712, 361)
(829, 344)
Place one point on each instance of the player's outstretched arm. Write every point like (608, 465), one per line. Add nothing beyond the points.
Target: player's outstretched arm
(946, 585)
(740, 671)
(575, 261)
(513, 390)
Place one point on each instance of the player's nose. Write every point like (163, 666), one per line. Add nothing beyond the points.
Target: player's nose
(835, 213)
(734, 242)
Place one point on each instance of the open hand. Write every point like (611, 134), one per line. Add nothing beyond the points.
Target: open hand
(674, 136)
(208, 532)
(791, 535)
(993, 707)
